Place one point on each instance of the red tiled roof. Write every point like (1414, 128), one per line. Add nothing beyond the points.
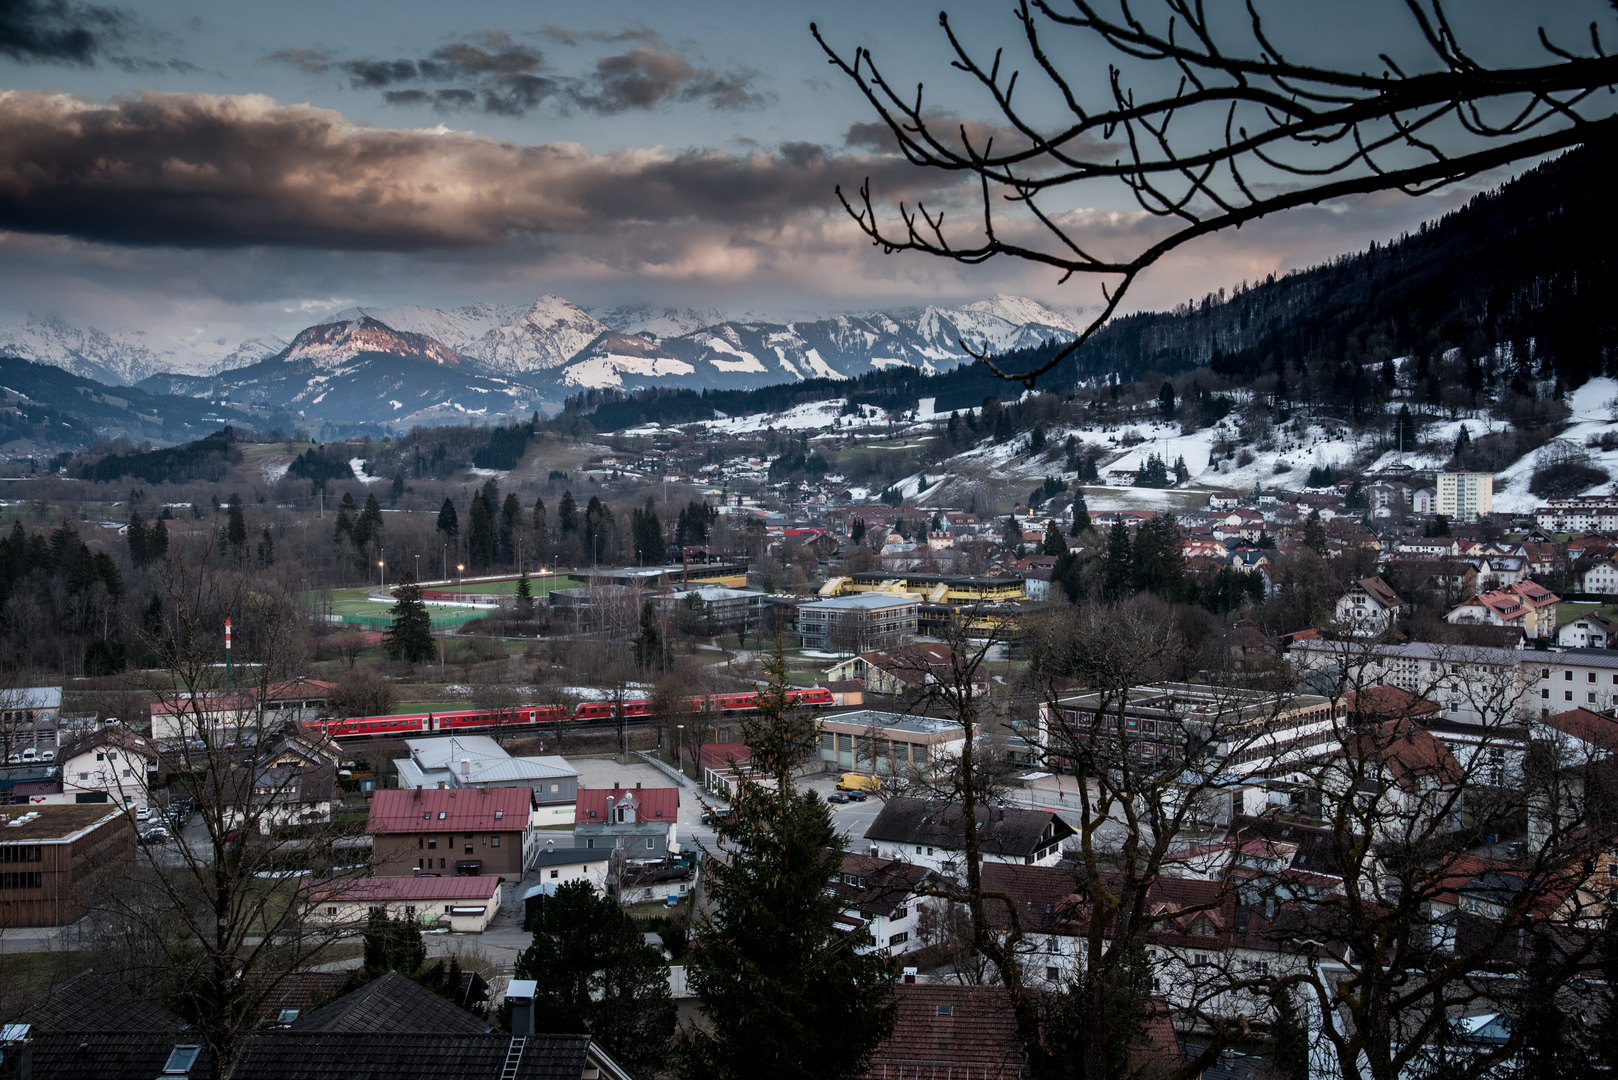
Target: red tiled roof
(651, 804)
(475, 887)
(1586, 726)
(450, 810)
(1387, 703)
(1408, 752)
(952, 1028)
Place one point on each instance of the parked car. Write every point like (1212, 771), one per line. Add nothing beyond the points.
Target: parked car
(838, 797)
(14, 759)
(856, 796)
(142, 813)
(715, 813)
(158, 835)
(47, 755)
(30, 754)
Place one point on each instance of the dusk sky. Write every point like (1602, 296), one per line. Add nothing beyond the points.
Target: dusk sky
(247, 168)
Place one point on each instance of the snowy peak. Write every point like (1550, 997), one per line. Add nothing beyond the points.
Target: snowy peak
(125, 356)
(548, 334)
(659, 323)
(1021, 311)
(336, 343)
(460, 329)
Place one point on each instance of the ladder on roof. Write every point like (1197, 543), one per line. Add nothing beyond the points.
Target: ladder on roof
(513, 1057)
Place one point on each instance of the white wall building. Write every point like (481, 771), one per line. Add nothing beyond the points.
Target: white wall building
(1465, 496)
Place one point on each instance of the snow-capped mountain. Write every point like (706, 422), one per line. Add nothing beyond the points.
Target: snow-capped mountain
(126, 356)
(546, 336)
(418, 364)
(460, 329)
(658, 323)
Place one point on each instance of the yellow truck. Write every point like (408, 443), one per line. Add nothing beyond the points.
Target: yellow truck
(853, 781)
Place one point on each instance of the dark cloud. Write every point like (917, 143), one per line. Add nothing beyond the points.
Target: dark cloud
(374, 74)
(54, 31)
(493, 73)
(634, 32)
(874, 136)
(312, 61)
(644, 78)
(212, 171)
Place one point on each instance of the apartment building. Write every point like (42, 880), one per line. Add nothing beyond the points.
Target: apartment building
(1465, 496)
(859, 623)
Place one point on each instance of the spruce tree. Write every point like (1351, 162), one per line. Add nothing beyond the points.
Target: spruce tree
(567, 515)
(649, 645)
(596, 974)
(1165, 401)
(541, 524)
(236, 528)
(480, 538)
(525, 595)
(1081, 514)
(1314, 533)
(786, 994)
(157, 541)
(1053, 543)
(411, 637)
(1115, 572)
(510, 522)
(137, 537)
(449, 522)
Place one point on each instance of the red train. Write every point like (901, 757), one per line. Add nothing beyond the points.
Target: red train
(533, 715)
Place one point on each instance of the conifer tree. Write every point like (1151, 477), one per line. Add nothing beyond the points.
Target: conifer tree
(157, 541)
(646, 533)
(1081, 514)
(597, 974)
(1053, 543)
(347, 512)
(137, 538)
(480, 538)
(1115, 572)
(786, 994)
(510, 522)
(1314, 533)
(525, 595)
(411, 637)
(235, 529)
(567, 515)
(541, 525)
(449, 522)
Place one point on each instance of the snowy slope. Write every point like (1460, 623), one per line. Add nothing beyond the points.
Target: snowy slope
(460, 329)
(658, 322)
(126, 356)
(547, 335)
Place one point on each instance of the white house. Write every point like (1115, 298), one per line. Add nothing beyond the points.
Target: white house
(1592, 631)
(108, 765)
(558, 865)
(1369, 606)
(1600, 577)
(931, 836)
(881, 902)
(465, 905)
(1423, 500)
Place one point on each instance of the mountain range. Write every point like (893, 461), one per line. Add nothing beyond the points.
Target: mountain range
(412, 365)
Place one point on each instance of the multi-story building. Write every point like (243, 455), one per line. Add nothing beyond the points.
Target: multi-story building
(28, 719)
(54, 858)
(888, 743)
(1587, 513)
(644, 822)
(858, 624)
(107, 765)
(1465, 496)
(451, 831)
(1249, 733)
(477, 761)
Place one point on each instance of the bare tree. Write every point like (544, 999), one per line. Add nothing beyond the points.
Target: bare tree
(1247, 130)
(218, 919)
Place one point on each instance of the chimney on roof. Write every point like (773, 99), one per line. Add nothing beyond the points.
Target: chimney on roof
(910, 974)
(418, 791)
(637, 785)
(615, 785)
(466, 768)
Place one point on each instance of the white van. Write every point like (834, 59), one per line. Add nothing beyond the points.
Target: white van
(30, 754)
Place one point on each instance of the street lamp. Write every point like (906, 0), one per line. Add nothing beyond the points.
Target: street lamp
(679, 747)
(418, 567)
(459, 567)
(383, 567)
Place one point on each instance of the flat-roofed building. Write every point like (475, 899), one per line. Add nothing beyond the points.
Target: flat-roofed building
(477, 761)
(1247, 732)
(888, 744)
(53, 859)
(465, 905)
(858, 624)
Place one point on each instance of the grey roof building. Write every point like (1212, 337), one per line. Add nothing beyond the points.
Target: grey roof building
(462, 761)
(934, 835)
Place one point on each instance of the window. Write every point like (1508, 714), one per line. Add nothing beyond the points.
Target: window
(929, 851)
(22, 879)
(556, 787)
(469, 849)
(1567, 695)
(331, 911)
(900, 912)
(128, 774)
(1052, 973)
(1591, 696)
(432, 843)
(555, 874)
(1592, 677)
(494, 841)
(1568, 675)
(1544, 693)
(420, 843)
(1544, 673)
(898, 939)
(101, 757)
(84, 776)
(651, 842)
(181, 1058)
(449, 909)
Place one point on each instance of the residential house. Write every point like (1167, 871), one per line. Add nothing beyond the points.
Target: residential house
(881, 901)
(643, 821)
(1525, 606)
(1591, 631)
(1424, 500)
(947, 1030)
(279, 796)
(1223, 500)
(557, 865)
(1369, 607)
(1400, 769)
(463, 905)
(463, 831)
(1598, 575)
(110, 764)
(933, 835)
(902, 671)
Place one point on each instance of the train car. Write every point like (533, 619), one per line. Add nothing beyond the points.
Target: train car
(819, 696)
(402, 724)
